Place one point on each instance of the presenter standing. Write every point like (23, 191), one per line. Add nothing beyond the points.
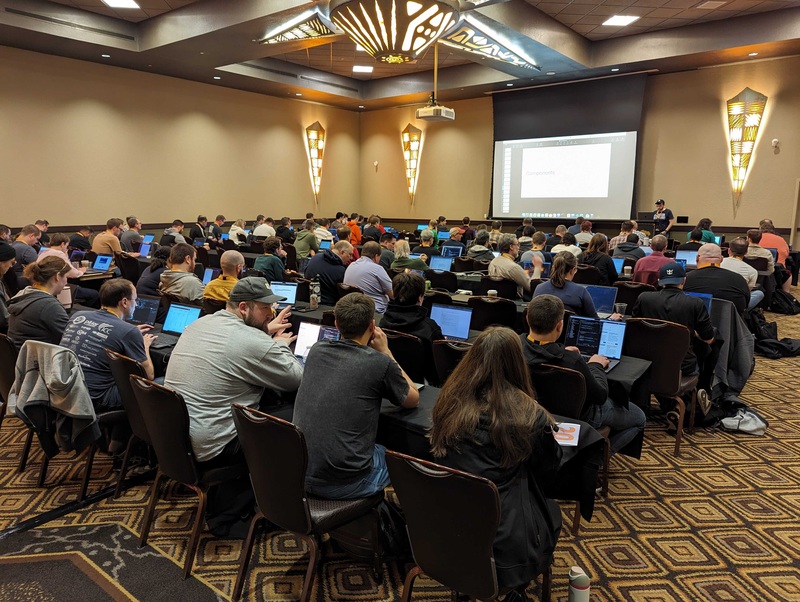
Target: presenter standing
(662, 219)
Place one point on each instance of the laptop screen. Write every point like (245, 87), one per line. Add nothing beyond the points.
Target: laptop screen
(704, 297)
(596, 336)
(718, 240)
(102, 263)
(285, 289)
(146, 310)
(422, 227)
(496, 253)
(324, 244)
(647, 250)
(144, 249)
(452, 250)
(454, 321)
(179, 317)
(444, 235)
(546, 269)
(414, 255)
(619, 263)
(210, 274)
(42, 250)
(441, 262)
(774, 253)
(309, 333)
(603, 298)
(689, 256)
(224, 236)
(199, 242)
(77, 255)
(148, 238)
(681, 262)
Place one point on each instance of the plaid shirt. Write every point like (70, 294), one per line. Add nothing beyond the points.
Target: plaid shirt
(616, 240)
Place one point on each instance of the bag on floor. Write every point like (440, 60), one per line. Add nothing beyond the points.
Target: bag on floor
(784, 303)
(746, 420)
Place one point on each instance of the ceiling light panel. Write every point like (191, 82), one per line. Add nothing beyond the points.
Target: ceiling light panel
(620, 21)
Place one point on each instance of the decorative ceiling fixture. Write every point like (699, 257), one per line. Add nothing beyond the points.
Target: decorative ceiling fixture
(473, 36)
(745, 111)
(305, 26)
(412, 145)
(315, 140)
(394, 31)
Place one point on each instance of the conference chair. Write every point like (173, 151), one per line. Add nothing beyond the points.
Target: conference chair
(463, 264)
(257, 247)
(346, 289)
(291, 256)
(434, 296)
(664, 344)
(587, 274)
(409, 352)
(328, 318)
(480, 265)
(8, 359)
(229, 245)
(212, 306)
(629, 262)
(167, 422)
(303, 290)
(253, 273)
(492, 311)
(203, 256)
(167, 240)
(452, 519)
(447, 355)
(766, 279)
(128, 266)
(507, 289)
(442, 280)
(628, 293)
(279, 487)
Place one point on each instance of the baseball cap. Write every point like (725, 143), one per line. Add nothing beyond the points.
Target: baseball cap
(671, 273)
(254, 289)
(7, 252)
(660, 202)
(454, 231)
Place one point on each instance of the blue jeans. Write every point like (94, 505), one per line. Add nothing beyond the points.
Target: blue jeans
(756, 297)
(625, 423)
(375, 481)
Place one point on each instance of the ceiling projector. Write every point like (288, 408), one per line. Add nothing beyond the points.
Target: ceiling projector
(435, 112)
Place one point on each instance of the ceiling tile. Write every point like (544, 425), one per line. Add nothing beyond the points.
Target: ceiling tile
(577, 9)
(664, 13)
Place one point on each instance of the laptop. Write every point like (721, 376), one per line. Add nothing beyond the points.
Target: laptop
(689, 256)
(422, 227)
(453, 320)
(647, 250)
(592, 336)
(496, 253)
(704, 297)
(444, 235)
(452, 250)
(285, 289)
(179, 316)
(42, 250)
(144, 249)
(619, 263)
(148, 238)
(199, 242)
(210, 274)
(308, 333)
(77, 255)
(146, 310)
(774, 253)
(324, 244)
(718, 240)
(414, 255)
(441, 262)
(101, 265)
(682, 263)
(603, 298)
(66, 297)
(247, 232)
(223, 236)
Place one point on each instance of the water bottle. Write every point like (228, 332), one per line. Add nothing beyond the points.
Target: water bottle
(579, 585)
(313, 298)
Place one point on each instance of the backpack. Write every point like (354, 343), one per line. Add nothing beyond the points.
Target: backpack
(766, 336)
(784, 303)
(746, 420)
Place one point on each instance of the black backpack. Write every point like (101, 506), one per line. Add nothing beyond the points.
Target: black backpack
(766, 336)
(784, 303)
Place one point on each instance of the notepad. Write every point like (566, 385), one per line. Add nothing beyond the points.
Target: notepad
(568, 434)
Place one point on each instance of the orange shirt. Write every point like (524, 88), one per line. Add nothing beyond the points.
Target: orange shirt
(773, 241)
(356, 232)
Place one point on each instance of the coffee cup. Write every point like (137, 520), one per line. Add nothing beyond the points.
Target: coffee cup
(491, 293)
(620, 308)
(85, 263)
(627, 270)
(76, 264)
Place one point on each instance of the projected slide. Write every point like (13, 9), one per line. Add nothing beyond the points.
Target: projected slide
(563, 177)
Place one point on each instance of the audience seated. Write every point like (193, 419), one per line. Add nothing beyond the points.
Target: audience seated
(486, 422)
(387, 243)
(354, 225)
(643, 238)
(576, 227)
(150, 278)
(198, 230)
(265, 229)
(567, 243)
(370, 277)
(538, 241)
(585, 235)
(520, 231)
(771, 240)
(43, 225)
(306, 243)
(24, 248)
(629, 248)
(455, 239)
(372, 231)
(695, 238)
(107, 242)
(131, 239)
(704, 225)
(625, 231)
(89, 332)
(755, 250)
(215, 228)
(236, 232)
(34, 312)
(711, 278)
(58, 248)
(231, 264)
(480, 250)
(506, 265)
(225, 357)
(426, 245)
(329, 266)
(80, 239)
(596, 254)
(469, 232)
(340, 419)
(285, 231)
(402, 259)
(496, 232)
(573, 296)
(735, 263)
(273, 261)
(180, 280)
(654, 261)
(526, 240)
(8, 257)
(173, 234)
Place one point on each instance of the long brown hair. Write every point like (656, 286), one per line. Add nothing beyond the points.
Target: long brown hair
(493, 380)
(598, 244)
(563, 264)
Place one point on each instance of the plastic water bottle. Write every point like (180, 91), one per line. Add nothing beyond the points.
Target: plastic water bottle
(313, 297)
(579, 585)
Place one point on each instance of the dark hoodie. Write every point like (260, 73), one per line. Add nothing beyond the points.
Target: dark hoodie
(628, 249)
(604, 263)
(36, 315)
(555, 355)
(414, 320)
(328, 268)
(285, 234)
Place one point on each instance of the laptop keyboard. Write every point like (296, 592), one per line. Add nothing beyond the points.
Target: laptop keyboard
(164, 340)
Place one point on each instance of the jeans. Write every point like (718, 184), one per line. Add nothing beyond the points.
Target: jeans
(375, 481)
(756, 297)
(625, 423)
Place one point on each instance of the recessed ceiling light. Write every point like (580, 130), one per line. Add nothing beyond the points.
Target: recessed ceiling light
(753, 54)
(362, 68)
(620, 21)
(615, 69)
(217, 77)
(106, 56)
(360, 48)
(550, 73)
(298, 94)
(121, 3)
(509, 85)
(361, 107)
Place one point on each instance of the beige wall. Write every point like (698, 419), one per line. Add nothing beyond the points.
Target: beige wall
(83, 142)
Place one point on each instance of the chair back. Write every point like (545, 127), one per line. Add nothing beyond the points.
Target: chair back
(439, 297)
(463, 264)
(629, 262)
(257, 247)
(8, 359)
(559, 390)
(536, 282)
(291, 256)
(202, 256)
(628, 292)
(446, 355)
(279, 484)
(303, 290)
(760, 264)
(663, 343)
(122, 368)
(480, 265)
(167, 423)
(328, 318)
(167, 240)
(346, 289)
(128, 267)
(409, 353)
(212, 306)
(444, 280)
(587, 274)
(452, 520)
(490, 311)
(507, 289)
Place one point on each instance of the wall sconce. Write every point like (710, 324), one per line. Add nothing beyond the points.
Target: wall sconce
(412, 145)
(315, 140)
(745, 111)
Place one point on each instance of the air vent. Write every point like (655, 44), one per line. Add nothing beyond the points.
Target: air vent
(47, 19)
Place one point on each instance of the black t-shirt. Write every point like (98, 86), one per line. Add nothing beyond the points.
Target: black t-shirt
(721, 283)
(429, 251)
(690, 246)
(661, 220)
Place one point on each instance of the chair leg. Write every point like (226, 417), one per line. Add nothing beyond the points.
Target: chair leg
(547, 584)
(247, 550)
(576, 520)
(311, 571)
(151, 508)
(681, 415)
(409, 583)
(124, 469)
(88, 472)
(692, 411)
(43, 470)
(194, 538)
(606, 465)
(26, 449)
(377, 551)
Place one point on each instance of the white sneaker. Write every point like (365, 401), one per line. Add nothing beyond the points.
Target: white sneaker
(704, 400)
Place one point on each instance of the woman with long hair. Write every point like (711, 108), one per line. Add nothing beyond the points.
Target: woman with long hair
(596, 254)
(237, 233)
(704, 225)
(151, 276)
(486, 422)
(574, 296)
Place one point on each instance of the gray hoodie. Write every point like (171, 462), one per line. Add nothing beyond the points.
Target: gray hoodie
(36, 315)
(184, 285)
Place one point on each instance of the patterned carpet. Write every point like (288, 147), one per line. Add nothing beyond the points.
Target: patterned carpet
(719, 523)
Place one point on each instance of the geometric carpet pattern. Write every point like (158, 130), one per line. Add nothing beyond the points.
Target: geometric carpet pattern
(720, 523)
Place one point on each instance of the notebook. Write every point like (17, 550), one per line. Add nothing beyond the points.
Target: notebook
(179, 316)
(144, 249)
(308, 333)
(209, 274)
(452, 250)
(619, 263)
(453, 320)
(148, 238)
(594, 336)
(441, 262)
(285, 289)
(324, 244)
(603, 298)
(704, 297)
(689, 256)
(146, 310)
(101, 265)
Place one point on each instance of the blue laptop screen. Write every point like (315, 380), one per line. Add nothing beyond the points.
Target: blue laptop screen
(689, 256)
(452, 250)
(224, 236)
(414, 255)
(441, 262)
(285, 289)
(619, 263)
(179, 317)
(603, 298)
(444, 235)
(144, 250)
(704, 297)
(774, 253)
(148, 238)
(77, 255)
(210, 274)
(454, 321)
(422, 226)
(103, 262)
(325, 244)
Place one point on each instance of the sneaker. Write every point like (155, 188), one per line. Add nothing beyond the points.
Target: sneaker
(704, 400)
(672, 422)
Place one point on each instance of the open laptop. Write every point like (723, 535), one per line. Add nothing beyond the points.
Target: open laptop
(444, 235)
(774, 253)
(324, 244)
(209, 274)
(148, 238)
(593, 336)
(452, 251)
(422, 227)
(414, 255)
(647, 250)
(454, 320)
(704, 297)
(528, 267)
(308, 333)
(223, 236)
(144, 249)
(285, 289)
(603, 298)
(441, 262)
(681, 262)
(146, 310)
(77, 255)
(619, 263)
(689, 256)
(101, 265)
(199, 242)
(179, 316)
(42, 249)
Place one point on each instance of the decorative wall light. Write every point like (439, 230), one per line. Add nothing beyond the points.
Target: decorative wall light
(745, 111)
(412, 145)
(394, 31)
(315, 140)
